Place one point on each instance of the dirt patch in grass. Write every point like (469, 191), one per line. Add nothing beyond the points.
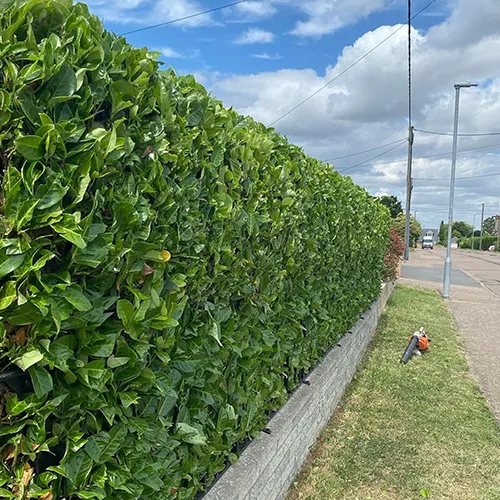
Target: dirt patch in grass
(408, 431)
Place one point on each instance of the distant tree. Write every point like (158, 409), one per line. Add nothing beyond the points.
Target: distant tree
(393, 204)
(460, 230)
(463, 228)
(443, 233)
(489, 226)
(477, 232)
(399, 223)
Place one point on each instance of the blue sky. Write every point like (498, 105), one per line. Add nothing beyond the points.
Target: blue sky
(214, 46)
(265, 56)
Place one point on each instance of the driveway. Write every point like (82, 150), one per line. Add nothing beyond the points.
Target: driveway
(475, 304)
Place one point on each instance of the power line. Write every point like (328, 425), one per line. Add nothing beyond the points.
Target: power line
(350, 66)
(460, 151)
(460, 135)
(445, 206)
(437, 155)
(458, 178)
(430, 210)
(366, 151)
(475, 169)
(185, 18)
(374, 157)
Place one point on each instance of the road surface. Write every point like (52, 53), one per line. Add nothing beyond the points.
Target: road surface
(469, 268)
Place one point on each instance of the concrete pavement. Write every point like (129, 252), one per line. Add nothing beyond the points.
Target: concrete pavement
(475, 304)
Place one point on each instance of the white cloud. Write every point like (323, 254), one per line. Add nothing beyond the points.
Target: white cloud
(251, 11)
(327, 16)
(176, 9)
(170, 53)
(255, 35)
(147, 12)
(266, 55)
(321, 16)
(367, 107)
(481, 17)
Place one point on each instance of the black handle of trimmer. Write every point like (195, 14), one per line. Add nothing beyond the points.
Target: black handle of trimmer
(409, 350)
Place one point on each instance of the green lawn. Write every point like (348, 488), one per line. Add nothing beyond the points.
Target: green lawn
(407, 432)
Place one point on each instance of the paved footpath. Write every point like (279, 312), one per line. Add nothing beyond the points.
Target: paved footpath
(475, 304)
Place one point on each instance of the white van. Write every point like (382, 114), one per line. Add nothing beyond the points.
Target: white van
(428, 242)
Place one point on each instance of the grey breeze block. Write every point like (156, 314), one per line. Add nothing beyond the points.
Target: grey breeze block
(267, 468)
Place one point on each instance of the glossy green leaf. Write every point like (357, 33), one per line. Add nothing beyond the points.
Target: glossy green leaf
(77, 468)
(30, 146)
(215, 332)
(52, 195)
(70, 231)
(29, 359)
(6, 493)
(5, 4)
(26, 314)
(196, 115)
(128, 398)
(7, 294)
(10, 264)
(41, 379)
(63, 83)
(76, 298)
(6, 430)
(101, 447)
(88, 495)
(14, 407)
(102, 348)
(190, 434)
(116, 361)
(125, 311)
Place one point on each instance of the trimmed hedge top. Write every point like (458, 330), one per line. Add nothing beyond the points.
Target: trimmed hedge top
(168, 268)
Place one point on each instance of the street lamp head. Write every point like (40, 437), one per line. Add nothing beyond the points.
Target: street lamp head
(465, 85)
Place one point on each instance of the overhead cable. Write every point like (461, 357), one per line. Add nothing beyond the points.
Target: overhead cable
(436, 155)
(365, 151)
(374, 157)
(350, 66)
(460, 135)
(458, 178)
(185, 18)
(430, 210)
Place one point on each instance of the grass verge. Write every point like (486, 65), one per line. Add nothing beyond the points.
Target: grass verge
(407, 432)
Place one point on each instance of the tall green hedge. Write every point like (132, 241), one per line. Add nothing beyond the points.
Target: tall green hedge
(486, 242)
(168, 268)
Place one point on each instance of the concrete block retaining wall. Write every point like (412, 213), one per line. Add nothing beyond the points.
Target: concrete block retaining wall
(267, 468)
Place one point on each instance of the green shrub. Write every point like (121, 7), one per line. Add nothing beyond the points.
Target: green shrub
(488, 240)
(168, 268)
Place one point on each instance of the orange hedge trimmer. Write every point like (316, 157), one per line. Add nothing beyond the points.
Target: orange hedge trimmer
(418, 342)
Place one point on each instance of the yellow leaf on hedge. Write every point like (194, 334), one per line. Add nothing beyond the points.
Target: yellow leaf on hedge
(166, 255)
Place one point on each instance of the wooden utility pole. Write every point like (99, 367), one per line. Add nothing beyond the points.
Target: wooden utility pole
(409, 180)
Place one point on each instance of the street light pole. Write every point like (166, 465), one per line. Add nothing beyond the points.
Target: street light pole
(497, 227)
(473, 224)
(447, 265)
(482, 222)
